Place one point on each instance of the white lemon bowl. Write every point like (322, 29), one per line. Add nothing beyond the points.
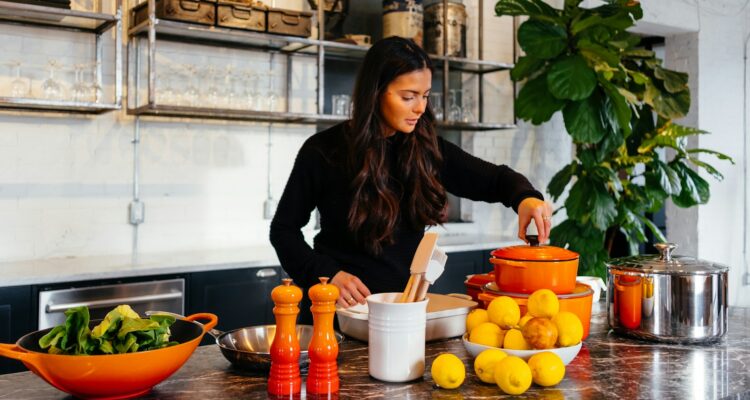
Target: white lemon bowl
(567, 354)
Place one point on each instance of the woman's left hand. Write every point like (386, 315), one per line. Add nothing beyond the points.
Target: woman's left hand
(538, 210)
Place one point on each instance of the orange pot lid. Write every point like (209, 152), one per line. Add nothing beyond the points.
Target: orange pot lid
(534, 253)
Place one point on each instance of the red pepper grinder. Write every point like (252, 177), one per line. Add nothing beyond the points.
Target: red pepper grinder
(323, 375)
(285, 379)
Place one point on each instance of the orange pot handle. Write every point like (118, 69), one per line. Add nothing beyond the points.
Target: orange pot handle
(212, 320)
(512, 263)
(13, 351)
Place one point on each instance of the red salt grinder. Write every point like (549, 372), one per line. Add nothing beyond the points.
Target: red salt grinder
(285, 378)
(323, 375)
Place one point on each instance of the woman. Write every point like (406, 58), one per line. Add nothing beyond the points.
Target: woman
(380, 178)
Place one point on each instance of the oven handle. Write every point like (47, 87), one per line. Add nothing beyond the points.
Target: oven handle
(52, 308)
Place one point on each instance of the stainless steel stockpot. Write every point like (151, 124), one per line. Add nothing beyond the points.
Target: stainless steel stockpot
(667, 298)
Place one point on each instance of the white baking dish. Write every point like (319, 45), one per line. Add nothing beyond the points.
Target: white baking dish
(446, 317)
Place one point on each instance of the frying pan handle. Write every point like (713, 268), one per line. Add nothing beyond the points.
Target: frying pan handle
(212, 320)
(13, 351)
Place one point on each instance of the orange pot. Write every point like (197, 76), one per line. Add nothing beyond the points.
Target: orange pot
(110, 376)
(524, 269)
(578, 302)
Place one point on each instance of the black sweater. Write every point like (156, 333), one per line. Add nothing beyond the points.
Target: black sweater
(318, 180)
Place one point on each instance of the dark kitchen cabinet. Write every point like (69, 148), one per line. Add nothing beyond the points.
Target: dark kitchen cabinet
(16, 320)
(458, 266)
(239, 297)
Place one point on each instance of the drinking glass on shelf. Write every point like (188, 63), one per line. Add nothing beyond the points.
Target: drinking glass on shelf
(51, 88)
(272, 95)
(19, 87)
(436, 102)
(454, 110)
(340, 104)
(95, 91)
(232, 98)
(251, 89)
(165, 93)
(467, 113)
(79, 89)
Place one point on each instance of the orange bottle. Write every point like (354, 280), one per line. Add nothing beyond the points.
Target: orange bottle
(285, 379)
(323, 375)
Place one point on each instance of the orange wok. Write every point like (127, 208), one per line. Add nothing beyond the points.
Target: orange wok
(111, 376)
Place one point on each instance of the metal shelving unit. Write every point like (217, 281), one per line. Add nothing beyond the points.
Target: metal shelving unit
(154, 30)
(94, 23)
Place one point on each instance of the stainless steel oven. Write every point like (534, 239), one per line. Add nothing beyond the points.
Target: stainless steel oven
(162, 295)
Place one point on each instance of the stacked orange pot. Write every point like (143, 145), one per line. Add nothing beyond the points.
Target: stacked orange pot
(521, 270)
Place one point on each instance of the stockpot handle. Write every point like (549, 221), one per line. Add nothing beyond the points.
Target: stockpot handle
(665, 250)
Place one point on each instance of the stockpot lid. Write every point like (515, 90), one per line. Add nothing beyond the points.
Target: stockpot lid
(666, 263)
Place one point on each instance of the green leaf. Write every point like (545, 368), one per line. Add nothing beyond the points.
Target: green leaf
(695, 189)
(589, 201)
(542, 40)
(532, 8)
(720, 156)
(585, 23)
(535, 103)
(667, 136)
(598, 53)
(674, 82)
(638, 53)
(53, 337)
(583, 120)
(526, 66)
(658, 235)
(709, 168)
(618, 106)
(666, 104)
(571, 78)
(561, 179)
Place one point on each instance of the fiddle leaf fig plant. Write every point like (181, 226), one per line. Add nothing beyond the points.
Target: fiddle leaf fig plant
(619, 104)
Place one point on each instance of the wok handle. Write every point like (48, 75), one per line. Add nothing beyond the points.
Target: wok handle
(212, 320)
(13, 351)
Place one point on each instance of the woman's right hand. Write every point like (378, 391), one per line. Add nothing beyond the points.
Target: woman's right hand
(351, 289)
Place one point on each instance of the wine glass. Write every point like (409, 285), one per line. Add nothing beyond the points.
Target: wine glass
(19, 87)
(272, 97)
(51, 88)
(454, 110)
(94, 88)
(213, 93)
(191, 96)
(467, 113)
(436, 102)
(79, 89)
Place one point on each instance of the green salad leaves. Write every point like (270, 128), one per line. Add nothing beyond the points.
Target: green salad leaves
(121, 331)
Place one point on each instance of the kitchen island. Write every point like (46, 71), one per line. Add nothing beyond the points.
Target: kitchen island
(608, 367)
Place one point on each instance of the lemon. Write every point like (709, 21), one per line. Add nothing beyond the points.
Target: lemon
(569, 328)
(504, 312)
(487, 334)
(484, 364)
(547, 369)
(514, 340)
(513, 375)
(524, 320)
(543, 303)
(476, 317)
(448, 371)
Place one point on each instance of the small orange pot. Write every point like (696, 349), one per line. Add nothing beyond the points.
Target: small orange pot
(110, 376)
(578, 302)
(524, 269)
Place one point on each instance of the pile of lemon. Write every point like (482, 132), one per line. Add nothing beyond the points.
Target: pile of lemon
(543, 327)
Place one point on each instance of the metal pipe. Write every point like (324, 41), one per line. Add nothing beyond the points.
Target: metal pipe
(320, 88)
(446, 71)
(118, 55)
(151, 52)
(480, 48)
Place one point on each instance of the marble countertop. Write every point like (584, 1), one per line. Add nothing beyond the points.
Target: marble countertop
(608, 367)
(73, 269)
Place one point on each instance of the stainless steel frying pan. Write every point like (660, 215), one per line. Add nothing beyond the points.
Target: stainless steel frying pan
(249, 348)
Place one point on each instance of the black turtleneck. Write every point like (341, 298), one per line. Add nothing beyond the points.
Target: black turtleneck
(319, 180)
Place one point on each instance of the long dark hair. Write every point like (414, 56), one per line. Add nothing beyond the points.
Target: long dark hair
(375, 209)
